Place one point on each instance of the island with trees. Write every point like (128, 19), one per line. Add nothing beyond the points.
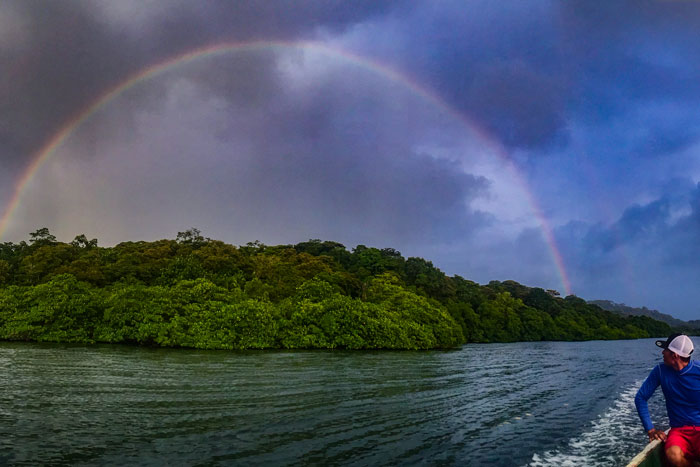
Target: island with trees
(202, 293)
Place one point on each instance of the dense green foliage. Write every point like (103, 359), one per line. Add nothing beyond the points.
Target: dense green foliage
(203, 293)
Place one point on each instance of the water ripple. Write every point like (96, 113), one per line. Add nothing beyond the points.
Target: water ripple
(537, 404)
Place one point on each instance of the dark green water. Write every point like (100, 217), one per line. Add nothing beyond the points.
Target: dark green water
(499, 404)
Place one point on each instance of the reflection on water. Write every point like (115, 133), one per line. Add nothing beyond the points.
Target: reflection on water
(499, 404)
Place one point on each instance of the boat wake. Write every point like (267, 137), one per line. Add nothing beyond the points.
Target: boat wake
(613, 438)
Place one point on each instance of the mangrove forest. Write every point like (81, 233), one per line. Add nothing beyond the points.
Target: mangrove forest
(202, 293)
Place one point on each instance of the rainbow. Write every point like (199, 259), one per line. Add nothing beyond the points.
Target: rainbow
(73, 124)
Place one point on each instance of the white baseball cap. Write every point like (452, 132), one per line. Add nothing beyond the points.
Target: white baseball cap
(677, 343)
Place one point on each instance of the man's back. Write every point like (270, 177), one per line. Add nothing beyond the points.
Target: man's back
(682, 393)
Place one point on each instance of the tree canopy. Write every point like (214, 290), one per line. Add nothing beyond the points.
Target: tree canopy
(198, 292)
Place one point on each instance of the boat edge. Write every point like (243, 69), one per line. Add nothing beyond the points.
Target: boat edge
(642, 456)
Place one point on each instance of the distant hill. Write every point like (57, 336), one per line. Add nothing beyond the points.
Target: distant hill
(623, 309)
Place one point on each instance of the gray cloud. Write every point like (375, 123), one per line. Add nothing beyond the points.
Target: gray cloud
(646, 257)
(338, 158)
(72, 52)
(497, 65)
(594, 103)
(524, 107)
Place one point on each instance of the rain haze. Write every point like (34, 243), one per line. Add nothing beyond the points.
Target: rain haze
(552, 143)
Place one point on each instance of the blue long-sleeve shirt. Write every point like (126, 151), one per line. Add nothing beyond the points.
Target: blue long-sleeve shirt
(681, 390)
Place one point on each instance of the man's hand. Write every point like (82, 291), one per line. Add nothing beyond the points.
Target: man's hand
(656, 434)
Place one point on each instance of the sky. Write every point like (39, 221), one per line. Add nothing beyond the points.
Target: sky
(555, 143)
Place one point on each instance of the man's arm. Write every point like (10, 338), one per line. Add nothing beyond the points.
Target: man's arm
(640, 401)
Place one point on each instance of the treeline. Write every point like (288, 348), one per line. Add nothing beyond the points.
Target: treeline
(203, 293)
(686, 327)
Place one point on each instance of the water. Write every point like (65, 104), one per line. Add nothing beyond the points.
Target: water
(536, 404)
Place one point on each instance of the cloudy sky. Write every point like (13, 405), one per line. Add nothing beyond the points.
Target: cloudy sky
(556, 143)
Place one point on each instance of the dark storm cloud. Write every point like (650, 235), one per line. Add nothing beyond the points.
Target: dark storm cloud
(343, 161)
(499, 65)
(338, 155)
(608, 91)
(637, 223)
(62, 62)
(263, 20)
(666, 139)
(523, 71)
(399, 199)
(526, 70)
(628, 54)
(524, 107)
(656, 225)
(684, 241)
(73, 51)
(645, 258)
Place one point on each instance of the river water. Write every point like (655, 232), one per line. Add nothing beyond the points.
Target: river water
(523, 404)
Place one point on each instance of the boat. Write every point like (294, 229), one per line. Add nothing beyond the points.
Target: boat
(651, 455)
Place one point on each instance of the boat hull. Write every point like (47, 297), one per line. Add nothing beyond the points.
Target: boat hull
(651, 456)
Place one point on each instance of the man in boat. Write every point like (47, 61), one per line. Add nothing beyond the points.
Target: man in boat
(679, 378)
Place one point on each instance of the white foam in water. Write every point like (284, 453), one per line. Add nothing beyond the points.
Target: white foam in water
(609, 434)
